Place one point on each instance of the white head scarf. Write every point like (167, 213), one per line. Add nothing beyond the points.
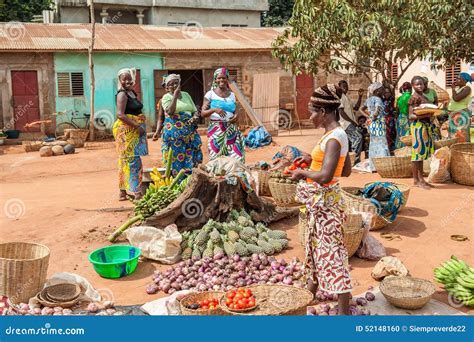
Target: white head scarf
(171, 77)
(126, 71)
(373, 87)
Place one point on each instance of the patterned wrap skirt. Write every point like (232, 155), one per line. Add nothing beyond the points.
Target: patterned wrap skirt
(181, 136)
(422, 140)
(326, 260)
(225, 139)
(403, 128)
(130, 147)
(459, 125)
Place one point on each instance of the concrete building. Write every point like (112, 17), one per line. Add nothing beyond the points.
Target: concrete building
(205, 13)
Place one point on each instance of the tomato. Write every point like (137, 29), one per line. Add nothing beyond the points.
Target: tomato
(231, 294)
(304, 165)
(247, 295)
(252, 303)
(239, 295)
(297, 162)
(292, 167)
(232, 306)
(204, 307)
(205, 302)
(228, 301)
(245, 300)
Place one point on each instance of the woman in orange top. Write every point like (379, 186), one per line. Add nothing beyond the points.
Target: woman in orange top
(326, 262)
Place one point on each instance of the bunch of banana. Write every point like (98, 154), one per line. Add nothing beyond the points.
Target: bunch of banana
(458, 279)
(159, 180)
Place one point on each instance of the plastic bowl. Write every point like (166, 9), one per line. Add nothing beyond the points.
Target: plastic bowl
(115, 261)
(12, 134)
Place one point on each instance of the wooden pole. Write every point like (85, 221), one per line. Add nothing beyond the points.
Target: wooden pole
(91, 70)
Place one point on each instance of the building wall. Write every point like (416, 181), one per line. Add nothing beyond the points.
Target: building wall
(43, 64)
(74, 14)
(249, 63)
(106, 67)
(204, 17)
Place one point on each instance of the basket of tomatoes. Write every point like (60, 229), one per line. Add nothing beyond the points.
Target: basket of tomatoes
(202, 303)
(240, 300)
(282, 187)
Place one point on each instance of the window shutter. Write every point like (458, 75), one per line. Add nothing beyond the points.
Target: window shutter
(394, 72)
(64, 84)
(77, 83)
(235, 75)
(452, 72)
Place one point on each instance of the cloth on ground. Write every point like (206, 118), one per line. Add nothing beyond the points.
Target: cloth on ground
(389, 266)
(258, 137)
(387, 204)
(232, 170)
(89, 294)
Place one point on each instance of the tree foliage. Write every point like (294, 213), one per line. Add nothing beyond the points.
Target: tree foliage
(370, 36)
(278, 14)
(23, 10)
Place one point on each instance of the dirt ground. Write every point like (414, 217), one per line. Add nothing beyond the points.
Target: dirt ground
(57, 201)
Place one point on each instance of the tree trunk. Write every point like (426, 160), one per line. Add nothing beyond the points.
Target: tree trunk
(208, 197)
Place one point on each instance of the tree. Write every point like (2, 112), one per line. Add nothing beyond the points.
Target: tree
(370, 36)
(278, 14)
(23, 10)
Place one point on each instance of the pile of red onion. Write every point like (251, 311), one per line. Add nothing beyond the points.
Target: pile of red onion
(222, 273)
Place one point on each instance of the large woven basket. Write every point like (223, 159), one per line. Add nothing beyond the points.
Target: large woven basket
(277, 300)
(393, 167)
(263, 178)
(283, 193)
(356, 203)
(23, 268)
(407, 292)
(405, 189)
(193, 298)
(462, 163)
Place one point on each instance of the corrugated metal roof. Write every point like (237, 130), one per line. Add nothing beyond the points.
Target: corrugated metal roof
(114, 37)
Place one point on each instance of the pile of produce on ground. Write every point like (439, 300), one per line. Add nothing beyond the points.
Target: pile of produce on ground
(223, 273)
(106, 308)
(158, 196)
(238, 236)
(458, 279)
(357, 307)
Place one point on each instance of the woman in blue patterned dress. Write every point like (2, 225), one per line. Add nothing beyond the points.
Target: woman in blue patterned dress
(378, 146)
(180, 127)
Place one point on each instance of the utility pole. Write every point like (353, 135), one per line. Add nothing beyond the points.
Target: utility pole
(91, 70)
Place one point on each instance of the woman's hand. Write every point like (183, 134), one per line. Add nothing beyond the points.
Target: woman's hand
(177, 91)
(296, 175)
(306, 158)
(361, 92)
(220, 112)
(156, 136)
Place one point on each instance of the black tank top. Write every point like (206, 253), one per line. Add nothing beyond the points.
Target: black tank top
(134, 106)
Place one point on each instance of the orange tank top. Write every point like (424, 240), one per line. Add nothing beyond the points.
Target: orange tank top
(318, 152)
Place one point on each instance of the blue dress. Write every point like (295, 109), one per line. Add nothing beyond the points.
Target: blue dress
(378, 146)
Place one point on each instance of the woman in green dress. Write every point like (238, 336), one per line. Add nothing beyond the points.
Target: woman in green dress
(403, 125)
(459, 113)
(432, 97)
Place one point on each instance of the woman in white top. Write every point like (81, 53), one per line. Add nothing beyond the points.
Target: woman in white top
(224, 137)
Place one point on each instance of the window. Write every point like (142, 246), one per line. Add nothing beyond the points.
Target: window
(452, 72)
(394, 72)
(233, 25)
(235, 75)
(178, 23)
(70, 84)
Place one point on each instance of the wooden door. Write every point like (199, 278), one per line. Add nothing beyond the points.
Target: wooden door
(266, 99)
(304, 89)
(25, 99)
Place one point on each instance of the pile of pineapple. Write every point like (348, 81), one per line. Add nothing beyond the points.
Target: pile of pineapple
(239, 235)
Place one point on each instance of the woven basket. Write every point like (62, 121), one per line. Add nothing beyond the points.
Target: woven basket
(405, 189)
(283, 193)
(23, 268)
(277, 300)
(193, 298)
(407, 292)
(393, 167)
(353, 230)
(32, 146)
(356, 203)
(45, 301)
(462, 163)
(263, 178)
(62, 292)
(446, 142)
(407, 140)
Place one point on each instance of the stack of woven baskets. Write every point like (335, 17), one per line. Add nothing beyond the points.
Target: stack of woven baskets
(462, 163)
(64, 295)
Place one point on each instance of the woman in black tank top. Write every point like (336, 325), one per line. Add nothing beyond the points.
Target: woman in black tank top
(130, 136)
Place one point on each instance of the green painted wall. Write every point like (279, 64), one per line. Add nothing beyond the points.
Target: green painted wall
(106, 66)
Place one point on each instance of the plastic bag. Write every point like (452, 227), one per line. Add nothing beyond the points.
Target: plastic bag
(371, 248)
(89, 293)
(439, 165)
(162, 245)
(167, 306)
(389, 266)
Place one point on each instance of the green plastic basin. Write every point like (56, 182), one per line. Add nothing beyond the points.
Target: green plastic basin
(115, 261)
